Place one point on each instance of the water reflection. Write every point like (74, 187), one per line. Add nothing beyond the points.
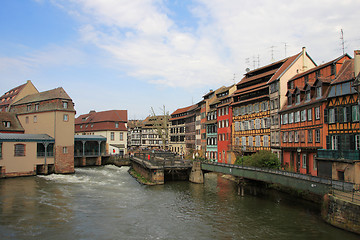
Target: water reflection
(107, 203)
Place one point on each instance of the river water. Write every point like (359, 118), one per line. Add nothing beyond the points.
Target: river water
(107, 203)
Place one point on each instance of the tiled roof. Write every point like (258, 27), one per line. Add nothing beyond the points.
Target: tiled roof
(250, 100)
(288, 62)
(12, 137)
(252, 87)
(346, 72)
(57, 93)
(318, 67)
(101, 121)
(15, 125)
(181, 110)
(9, 96)
(258, 76)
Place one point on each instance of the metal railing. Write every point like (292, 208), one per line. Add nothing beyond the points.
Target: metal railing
(42, 154)
(353, 196)
(335, 184)
(164, 159)
(339, 154)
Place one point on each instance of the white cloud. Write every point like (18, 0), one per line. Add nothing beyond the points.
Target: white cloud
(148, 44)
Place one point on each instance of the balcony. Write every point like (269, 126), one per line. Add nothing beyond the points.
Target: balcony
(338, 154)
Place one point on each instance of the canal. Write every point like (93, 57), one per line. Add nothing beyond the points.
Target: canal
(107, 203)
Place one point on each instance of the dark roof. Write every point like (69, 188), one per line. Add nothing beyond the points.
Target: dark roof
(57, 93)
(15, 125)
(12, 137)
(89, 138)
(346, 72)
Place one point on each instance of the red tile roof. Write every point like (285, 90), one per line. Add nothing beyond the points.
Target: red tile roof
(15, 125)
(346, 72)
(252, 87)
(101, 121)
(288, 62)
(9, 96)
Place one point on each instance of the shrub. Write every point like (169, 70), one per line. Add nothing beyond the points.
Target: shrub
(261, 159)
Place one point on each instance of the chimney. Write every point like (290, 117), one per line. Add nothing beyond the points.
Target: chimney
(92, 111)
(356, 62)
(304, 58)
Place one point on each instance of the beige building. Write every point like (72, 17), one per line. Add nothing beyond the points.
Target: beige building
(37, 136)
(293, 65)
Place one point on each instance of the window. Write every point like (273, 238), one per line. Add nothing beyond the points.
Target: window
(285, 137)
(37, 107)
(35, 119)
(65, 150)
(318, 92)
(243, 141)
(297, 116)
(304, 160)
(314, 162)
(317, 113)
(298, 98)
(285, 118)
(291, 137)
(266, 141)
(291, 117)
(289, 99)
(308, 95)
(303, 115)
(355, 113)
(310, 136)
(357, 142)
(257, 123)
(28, 107)
(116, 125)
(19, 150)
(251, 141)
(257, 141)
(65, 105)
(296, 136)
(112, 136)
(309, 114)
(66, 117)
(26, 119)
(317, 135)
(256, 107)
(0, 150)
(334, 142)
(6, 124)
(121, 136)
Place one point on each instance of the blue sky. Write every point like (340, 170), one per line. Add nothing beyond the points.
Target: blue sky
(138, 54)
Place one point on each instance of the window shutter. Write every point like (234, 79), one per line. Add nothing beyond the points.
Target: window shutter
(336, 114)
(341, 115)
(328, 142)
(352, 142)
(325, 115)
(348, 114)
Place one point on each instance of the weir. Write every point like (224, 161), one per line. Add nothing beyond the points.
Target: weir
(158, 167)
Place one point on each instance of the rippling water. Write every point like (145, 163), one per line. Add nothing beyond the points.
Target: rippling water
(107, 203)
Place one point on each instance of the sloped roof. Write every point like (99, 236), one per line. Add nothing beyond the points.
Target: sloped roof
(8, 97)
(13, 137)
(181, 110)
(104, 116)
(57, 93)
(15, 125)
(288, 62)
(346, 72)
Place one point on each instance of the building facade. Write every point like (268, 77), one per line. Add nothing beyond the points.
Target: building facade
(303, 129)
(111, 124)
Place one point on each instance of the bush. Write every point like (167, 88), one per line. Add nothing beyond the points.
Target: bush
(261, 159)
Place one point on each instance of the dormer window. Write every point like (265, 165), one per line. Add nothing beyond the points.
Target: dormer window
(116, 125)
(318, 92)
(65, 105)
(298, 98)
(308, 95)
(289, 100)
(6, 124)
(28, 107)
(37, 107)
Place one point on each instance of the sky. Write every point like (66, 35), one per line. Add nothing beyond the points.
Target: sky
(143, 54)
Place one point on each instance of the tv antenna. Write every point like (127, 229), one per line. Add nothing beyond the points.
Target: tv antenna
(272, 54)
(342, 41)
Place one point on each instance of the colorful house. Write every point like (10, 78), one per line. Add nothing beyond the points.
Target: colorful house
(341, 158)
(303, 131)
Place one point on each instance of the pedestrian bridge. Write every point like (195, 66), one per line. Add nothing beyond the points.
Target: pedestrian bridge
(315, 185)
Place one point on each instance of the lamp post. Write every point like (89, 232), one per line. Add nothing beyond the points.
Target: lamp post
(181, 151)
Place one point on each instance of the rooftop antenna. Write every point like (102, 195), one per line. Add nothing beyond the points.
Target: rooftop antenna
(254, 61)
(234, 78)
(342, 41)
(258, 60)
(272, 54)
(285, 45)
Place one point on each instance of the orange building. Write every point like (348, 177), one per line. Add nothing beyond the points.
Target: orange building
(303, 131)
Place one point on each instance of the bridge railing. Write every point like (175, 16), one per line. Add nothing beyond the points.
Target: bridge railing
(166, 160)
(335, 184)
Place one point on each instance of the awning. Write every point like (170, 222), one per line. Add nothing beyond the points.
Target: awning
(118, 145)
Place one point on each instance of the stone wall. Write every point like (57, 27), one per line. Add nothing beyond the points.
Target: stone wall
(152, 175)
(341, 214)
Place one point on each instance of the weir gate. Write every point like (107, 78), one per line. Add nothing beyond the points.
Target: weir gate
(157, 167)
